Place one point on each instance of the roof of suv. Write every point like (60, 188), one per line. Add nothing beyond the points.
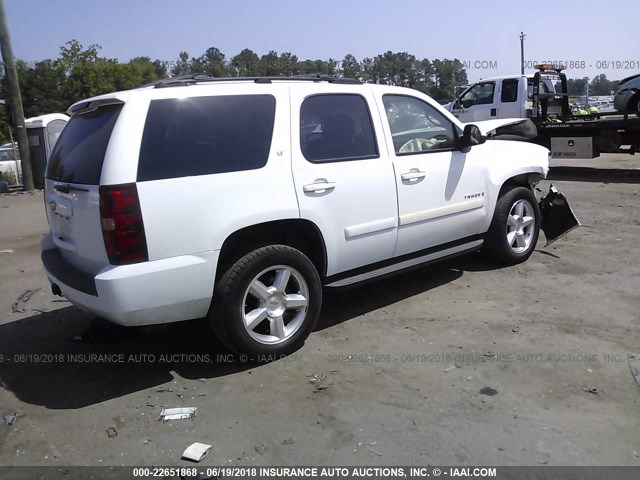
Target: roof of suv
(198, 79)
(190, 79)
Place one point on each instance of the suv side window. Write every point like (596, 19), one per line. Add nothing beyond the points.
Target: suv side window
(336, 127)
(479, 94)
(509, 90)
(416, 126)
(206, 135)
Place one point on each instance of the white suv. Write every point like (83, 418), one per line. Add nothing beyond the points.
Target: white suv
(238, 200)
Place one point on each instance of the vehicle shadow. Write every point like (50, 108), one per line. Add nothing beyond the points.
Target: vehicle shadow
(340, 305)
(66, 359)
(69, 359)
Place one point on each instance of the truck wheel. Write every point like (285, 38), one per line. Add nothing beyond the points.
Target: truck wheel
(267, 303)
(634, 105)
(515, 227)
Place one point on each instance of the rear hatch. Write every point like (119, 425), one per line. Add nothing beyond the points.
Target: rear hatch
(72, 187)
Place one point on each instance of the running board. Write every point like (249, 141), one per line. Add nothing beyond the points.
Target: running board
(413, 262)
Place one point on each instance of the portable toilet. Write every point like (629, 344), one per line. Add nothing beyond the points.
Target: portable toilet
(43, 132)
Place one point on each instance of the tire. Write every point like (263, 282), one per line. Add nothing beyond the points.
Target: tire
(634, 105)
(511, 238)
(267, 303)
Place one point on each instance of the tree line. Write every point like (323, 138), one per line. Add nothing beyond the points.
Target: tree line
(79, 72)
(599, 85)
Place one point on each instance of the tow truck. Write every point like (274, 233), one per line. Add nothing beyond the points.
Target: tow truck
(543, 99)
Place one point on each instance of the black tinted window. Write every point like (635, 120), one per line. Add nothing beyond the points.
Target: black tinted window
(79, 152)
(336, 127)
(509, 90)
(205, 135)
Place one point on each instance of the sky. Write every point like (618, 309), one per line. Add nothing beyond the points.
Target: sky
(597, 36)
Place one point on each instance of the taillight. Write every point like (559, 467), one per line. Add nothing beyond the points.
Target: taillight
(122, 226)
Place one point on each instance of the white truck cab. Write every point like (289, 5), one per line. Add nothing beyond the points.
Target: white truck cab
(498, 97)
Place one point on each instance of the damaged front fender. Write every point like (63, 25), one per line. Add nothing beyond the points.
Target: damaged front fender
(557, 217)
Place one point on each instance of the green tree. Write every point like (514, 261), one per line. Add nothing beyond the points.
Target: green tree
(577, 86)
(270, 65)
(448, 74)
(41, 87)
(161, 69)
(87, 75)
(318, 66)
(459, 72)
(368, 70)
(245, 64)
(146, 71)
(600, 85)
(212, 63)
(289, 64)
(183, 65)
(350, 68)
(73, 53)
(5, 124)
(425, 73)
(404, 72)
(52, 85)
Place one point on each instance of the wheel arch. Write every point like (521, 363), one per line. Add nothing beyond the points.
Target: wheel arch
(298, 233)
(520, 178)
(526, 179)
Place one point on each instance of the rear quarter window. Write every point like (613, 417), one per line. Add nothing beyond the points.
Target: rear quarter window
(79, 152)
(206, 135)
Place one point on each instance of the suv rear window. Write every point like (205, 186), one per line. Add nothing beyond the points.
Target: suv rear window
(79, 152)
(206, 135)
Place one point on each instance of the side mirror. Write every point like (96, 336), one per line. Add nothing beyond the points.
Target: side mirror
(471, 136)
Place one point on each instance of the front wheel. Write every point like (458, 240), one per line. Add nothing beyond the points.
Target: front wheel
(268, 302)
(515, 227)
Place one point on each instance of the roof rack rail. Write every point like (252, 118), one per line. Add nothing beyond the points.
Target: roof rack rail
(192, 79)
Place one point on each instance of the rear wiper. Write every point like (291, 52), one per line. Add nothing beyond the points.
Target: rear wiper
(69, 188)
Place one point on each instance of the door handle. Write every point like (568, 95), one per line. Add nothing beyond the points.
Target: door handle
(319, 186)
(413, 174)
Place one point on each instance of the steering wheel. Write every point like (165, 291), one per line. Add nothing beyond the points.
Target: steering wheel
(422, 144)
(415, 145)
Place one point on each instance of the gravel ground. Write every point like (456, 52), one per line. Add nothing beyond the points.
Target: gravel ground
(463, 363)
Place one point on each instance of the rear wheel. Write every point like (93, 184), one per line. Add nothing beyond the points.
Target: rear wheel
(515, 227)
(268, 302)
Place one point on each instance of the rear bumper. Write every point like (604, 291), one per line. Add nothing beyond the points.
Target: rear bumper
(154, 292)
(56, 267)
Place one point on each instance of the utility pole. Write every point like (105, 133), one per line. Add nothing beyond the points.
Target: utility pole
(586, 99)
(15, 101)
(522, 35)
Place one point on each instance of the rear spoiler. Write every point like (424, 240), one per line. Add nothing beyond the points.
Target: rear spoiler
(91, 106)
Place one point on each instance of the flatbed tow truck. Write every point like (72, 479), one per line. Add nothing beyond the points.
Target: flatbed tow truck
(543, 98)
